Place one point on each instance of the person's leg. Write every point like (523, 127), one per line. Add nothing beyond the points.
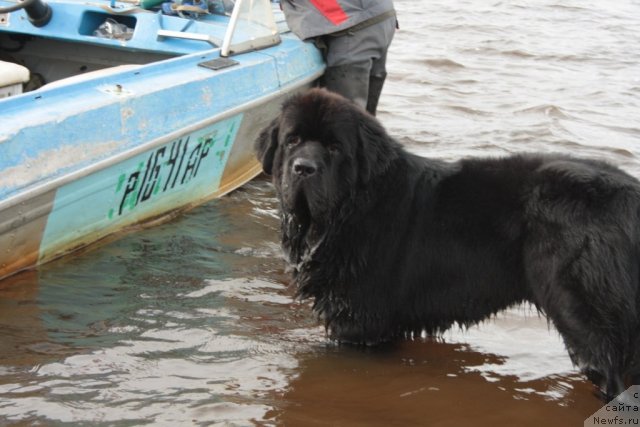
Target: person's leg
(386, 30)
(376, 82)
(349, 80)
(356, 63)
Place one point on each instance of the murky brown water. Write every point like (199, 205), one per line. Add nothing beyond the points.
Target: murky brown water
(191, 323)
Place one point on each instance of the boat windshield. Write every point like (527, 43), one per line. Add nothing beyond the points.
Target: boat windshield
(252, 27)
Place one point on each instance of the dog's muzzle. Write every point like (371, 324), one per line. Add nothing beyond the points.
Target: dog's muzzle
(304, 183)
(306, 161)
(303, 167)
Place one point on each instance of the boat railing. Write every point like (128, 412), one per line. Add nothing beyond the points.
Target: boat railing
(212, 40)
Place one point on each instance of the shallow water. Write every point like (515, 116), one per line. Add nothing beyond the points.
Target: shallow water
(191, 322)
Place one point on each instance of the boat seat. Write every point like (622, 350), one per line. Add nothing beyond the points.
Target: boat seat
(12, 76)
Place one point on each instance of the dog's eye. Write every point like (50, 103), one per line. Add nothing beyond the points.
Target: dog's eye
(333, 148)
(293, 140)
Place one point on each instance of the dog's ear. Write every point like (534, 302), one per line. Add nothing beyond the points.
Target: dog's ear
(375, 148)
(266, 145)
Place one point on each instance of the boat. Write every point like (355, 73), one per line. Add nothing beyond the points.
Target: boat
(116, 115)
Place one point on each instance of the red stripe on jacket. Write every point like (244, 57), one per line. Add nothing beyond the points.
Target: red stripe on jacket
(331, 10)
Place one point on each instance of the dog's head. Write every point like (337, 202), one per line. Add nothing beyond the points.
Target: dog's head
(320, 150)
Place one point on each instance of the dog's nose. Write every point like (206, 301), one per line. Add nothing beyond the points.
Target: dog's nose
(304, 167)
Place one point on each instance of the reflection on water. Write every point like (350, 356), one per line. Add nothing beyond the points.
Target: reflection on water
(192, 322)
(163, 325)
(424, 383)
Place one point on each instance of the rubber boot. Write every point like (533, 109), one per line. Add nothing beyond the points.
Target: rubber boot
(375, 89)
(350, 81)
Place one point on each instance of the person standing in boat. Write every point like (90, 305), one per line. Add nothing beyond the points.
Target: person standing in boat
(354, 36)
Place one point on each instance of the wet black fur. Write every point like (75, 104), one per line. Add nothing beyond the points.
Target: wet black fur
(389, 243)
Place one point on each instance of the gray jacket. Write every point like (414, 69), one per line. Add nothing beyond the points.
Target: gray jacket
(307, 19)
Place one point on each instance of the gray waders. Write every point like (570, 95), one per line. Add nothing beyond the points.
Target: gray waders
(355, 81)
(356, 62)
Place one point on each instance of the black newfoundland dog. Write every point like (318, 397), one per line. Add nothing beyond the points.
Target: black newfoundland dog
(390, 244)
